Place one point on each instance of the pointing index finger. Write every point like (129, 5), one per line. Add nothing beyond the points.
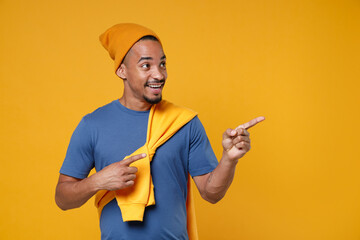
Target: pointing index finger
(251, 123)
(132, 159)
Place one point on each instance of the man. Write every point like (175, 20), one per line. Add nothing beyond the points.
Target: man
(134, 201)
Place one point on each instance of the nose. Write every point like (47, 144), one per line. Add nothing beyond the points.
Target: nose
(159, 74)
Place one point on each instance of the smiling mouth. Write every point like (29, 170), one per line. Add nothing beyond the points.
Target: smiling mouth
(155, 85)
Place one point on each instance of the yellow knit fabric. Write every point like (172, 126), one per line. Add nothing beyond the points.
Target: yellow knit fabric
(165, 120)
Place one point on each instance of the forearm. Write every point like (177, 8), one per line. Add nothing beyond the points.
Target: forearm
(219, 180)
(236, 143)
(73, 194)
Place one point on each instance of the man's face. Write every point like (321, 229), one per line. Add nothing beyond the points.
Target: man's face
(144, 72)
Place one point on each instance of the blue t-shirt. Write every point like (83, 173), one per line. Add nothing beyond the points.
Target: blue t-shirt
(113, 132)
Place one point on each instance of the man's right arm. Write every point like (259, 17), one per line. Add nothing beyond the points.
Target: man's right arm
(73, 192)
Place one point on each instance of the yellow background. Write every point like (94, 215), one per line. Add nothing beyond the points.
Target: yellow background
(295, 62)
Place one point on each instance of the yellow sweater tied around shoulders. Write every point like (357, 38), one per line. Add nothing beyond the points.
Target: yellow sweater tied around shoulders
(165, 120)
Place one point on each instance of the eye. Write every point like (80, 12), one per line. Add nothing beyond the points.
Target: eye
(145, 66)
(163, 64)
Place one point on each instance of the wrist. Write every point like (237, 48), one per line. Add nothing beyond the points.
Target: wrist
(94, 183)
(226, 159)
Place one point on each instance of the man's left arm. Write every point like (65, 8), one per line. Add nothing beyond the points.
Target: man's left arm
(236, 143)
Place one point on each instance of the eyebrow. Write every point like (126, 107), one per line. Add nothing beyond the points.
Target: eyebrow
(150, 58)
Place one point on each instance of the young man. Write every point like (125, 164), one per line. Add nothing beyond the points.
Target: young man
(145, 195)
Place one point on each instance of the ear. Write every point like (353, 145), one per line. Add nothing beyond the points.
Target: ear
(121, 71)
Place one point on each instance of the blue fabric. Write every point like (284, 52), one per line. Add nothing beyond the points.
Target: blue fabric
(112, 132)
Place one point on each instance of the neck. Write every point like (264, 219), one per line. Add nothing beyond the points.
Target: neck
(136, 106)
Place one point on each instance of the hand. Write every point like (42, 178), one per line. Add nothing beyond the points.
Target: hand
(236, 142)
(118, 175)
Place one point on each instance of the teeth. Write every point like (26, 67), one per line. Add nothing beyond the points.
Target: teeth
(154, 86)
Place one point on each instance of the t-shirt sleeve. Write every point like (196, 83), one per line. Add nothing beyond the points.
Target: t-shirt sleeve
(79, 158)
(202, 159)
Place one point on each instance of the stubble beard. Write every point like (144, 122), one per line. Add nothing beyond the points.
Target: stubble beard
(153, 101)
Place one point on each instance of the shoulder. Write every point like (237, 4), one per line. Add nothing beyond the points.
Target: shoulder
(197, 129)
(169, 106)
(101, 113)
(166, 109)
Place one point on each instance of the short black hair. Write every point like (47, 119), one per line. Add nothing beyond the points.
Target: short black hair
(148, 37)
